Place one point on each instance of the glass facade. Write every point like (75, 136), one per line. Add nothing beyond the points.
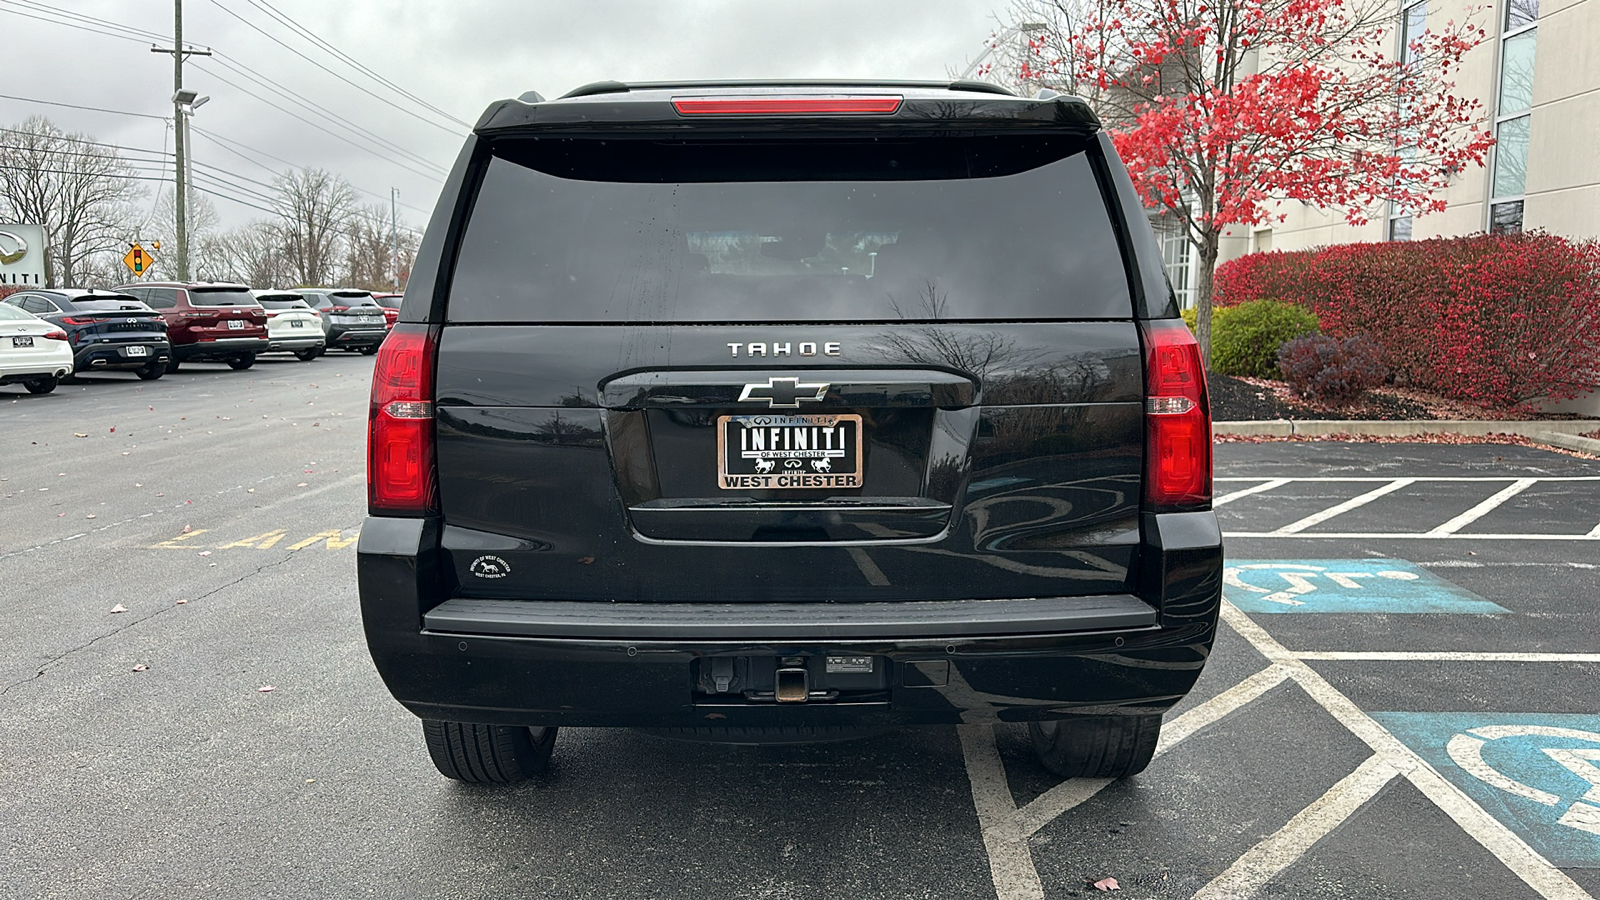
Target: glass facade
(1513, 114)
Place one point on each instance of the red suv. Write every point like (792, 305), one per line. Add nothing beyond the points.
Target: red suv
(207, 322)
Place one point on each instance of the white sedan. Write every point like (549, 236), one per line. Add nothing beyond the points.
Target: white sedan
(32, 351)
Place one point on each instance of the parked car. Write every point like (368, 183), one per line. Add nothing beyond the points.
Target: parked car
(292, 325)
(861, 406)
(33, 352)
(207, 322)
(105, 329)
(391, 306)
(353, 320)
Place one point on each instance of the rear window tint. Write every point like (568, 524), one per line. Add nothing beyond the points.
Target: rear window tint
(282, 303)
(953, 229)
(221, 297)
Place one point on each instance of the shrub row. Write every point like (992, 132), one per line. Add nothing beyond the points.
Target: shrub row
(1497, 319)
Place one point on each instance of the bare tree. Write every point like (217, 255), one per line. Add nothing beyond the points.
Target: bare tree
(80, 192)
(251, 254)
(204, 228)
(369, 250)
(314, 209)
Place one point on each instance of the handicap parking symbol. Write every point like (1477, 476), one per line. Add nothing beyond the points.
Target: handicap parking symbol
(1538, 774)
(1345, 586)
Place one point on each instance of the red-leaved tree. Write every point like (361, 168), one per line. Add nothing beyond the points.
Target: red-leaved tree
(1223, 108)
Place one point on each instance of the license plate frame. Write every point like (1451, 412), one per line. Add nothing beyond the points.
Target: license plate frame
(138, 350)
(807, 451)
(22, 340)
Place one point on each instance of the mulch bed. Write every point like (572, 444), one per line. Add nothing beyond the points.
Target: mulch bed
(1258, 399)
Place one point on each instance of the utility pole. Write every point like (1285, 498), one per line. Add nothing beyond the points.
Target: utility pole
(180, 191)
(394, 232)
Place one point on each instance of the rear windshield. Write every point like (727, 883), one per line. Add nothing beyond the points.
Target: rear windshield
(221, 297)
(121, 301)
(282, 302)
(352, 298)
(950, 229)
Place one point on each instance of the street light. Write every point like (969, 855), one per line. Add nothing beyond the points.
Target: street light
(185, 101)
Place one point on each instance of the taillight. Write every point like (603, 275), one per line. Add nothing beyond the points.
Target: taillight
(1177, 419)
(785, 106)
(400, 477)
(57, 335)
(338, 309)
(81, 320)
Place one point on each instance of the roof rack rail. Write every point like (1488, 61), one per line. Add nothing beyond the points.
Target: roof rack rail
(596, 87)
(981, 87)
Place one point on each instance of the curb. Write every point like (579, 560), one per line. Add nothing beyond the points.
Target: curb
(1565, 433)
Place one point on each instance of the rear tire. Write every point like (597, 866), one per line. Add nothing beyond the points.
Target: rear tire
(488, 754)
(41, 385)
(308, 355)
(373, 349)
(1096, 746)
(172, 365)
(151, 371)
(242, 362)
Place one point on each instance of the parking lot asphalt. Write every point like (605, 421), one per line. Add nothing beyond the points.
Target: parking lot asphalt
(1401, 702)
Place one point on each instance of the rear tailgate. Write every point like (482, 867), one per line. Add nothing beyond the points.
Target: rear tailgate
(865, 371)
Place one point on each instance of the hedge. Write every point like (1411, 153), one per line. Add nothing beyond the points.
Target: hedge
(1501, 320)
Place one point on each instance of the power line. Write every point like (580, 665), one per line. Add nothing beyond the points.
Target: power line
(324, 68)
(118, 112)
(104, 32)
(284, 19)
(250, 93)
(121, 29)
(265, 82)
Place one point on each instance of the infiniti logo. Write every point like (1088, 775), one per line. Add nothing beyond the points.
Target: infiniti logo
(7, 259)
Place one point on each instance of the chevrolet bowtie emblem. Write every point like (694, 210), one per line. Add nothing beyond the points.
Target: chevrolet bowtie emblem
(784, 393)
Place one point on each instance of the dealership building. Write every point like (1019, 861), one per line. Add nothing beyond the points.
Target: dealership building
(1537, 78)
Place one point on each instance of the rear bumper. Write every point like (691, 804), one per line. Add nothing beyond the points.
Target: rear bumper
(943, 662)
(116, 356)
(219, 349)
(292, 344)
(57, 362)
(356, 335)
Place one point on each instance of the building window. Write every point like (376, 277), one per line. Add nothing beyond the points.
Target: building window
(1175, 256)
(1413, 22)
(1513, 106)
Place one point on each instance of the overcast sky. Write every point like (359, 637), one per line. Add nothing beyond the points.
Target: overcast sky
(458, 55)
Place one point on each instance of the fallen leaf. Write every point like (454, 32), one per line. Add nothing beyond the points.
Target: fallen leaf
(138, 484)
(113, 429)
(205, 552)
(301, 484)
(186, 529)
(140, 667)
(182, 601)
(266, 689)
(79, 434)
(249, 490)
(585, 560)
(119, 608)
(1106, 884)
(89, 516)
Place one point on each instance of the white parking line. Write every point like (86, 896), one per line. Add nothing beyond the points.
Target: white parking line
(1419, 535)
(1258, 489)
(1266, 860)
(1486, 507)
(1445, 656)
(1523, 861)
(1342, 508)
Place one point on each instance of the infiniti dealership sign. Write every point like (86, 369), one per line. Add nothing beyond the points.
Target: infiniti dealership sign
(21, 254)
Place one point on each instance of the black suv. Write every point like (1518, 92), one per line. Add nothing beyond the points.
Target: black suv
(107, 329)
(783, 412)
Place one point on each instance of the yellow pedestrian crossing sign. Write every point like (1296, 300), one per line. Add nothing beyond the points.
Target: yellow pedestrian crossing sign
(137, 260)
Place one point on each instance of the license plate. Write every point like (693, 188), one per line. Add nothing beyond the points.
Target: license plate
(24, 341)
(806, 452)
(235, 324)
(297, 324)
(138, 351)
